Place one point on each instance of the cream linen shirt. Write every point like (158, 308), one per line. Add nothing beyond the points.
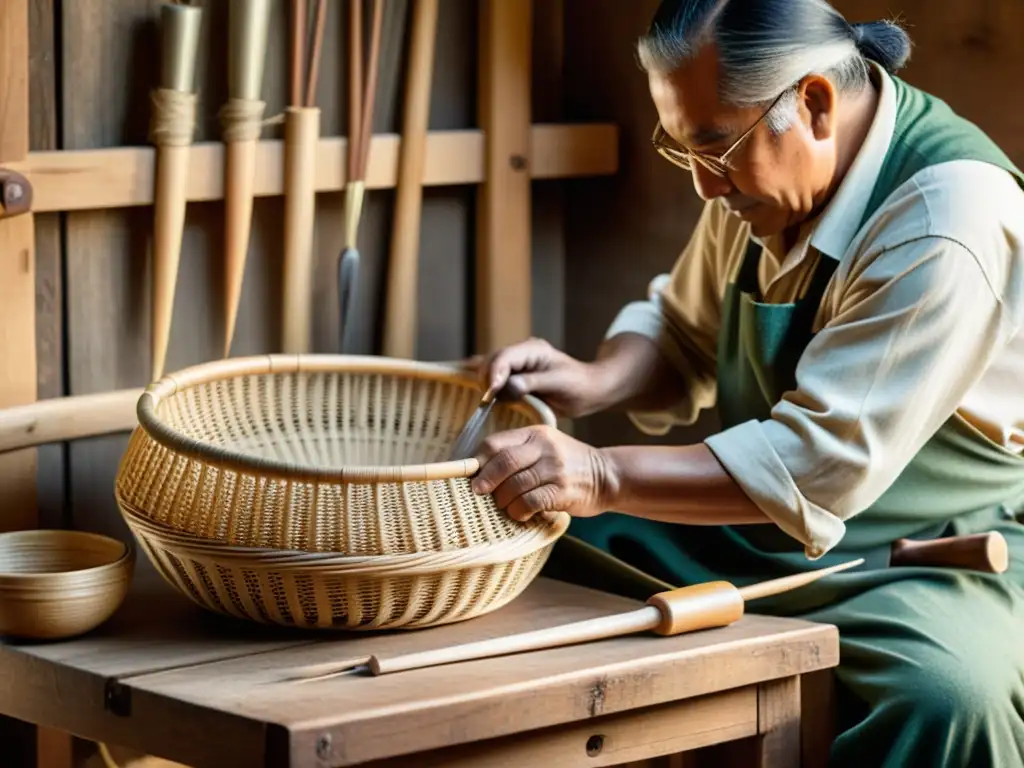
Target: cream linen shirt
(922, 318)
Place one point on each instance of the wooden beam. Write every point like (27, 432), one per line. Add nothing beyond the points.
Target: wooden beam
(13, 80)
(122, 177)
(504, 213)
(17, 271)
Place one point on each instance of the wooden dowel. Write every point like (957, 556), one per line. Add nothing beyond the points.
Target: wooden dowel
(401, 308)
(302, 130)
(298, 52)
(372, 75)
(687, 609)
(787, 583)
(314, 58)
(641, 620)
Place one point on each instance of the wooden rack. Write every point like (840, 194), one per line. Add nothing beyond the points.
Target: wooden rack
(502, 158)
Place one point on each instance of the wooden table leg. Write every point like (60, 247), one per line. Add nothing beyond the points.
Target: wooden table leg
(778, 723)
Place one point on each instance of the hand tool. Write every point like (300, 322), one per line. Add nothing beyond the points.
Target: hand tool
(360, 138)
(466, 443)
(173, 124)
(242, 121)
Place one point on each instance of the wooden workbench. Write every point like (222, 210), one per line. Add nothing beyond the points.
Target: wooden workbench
(175, 681)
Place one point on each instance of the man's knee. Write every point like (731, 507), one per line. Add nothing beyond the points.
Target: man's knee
(955, 692)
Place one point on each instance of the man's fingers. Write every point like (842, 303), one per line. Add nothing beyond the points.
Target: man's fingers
(535, 502)
(525, 356)
(503, 462)
(525, 480)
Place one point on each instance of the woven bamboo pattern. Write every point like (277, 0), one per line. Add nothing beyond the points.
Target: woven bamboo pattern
(312, 490)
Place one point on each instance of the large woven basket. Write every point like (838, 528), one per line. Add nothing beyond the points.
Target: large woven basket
(314, 491)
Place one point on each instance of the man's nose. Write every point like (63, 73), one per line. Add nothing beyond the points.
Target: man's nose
(709, 185)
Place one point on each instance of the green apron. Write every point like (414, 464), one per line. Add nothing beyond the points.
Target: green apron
(932, 659)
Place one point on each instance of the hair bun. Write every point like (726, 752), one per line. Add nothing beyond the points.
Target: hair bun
(883, 42)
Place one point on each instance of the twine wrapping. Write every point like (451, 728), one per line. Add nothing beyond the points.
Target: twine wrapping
(242, 119)
(173, 119)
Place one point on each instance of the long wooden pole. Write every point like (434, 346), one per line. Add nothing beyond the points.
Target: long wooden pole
(504, 217)
(173, 124)
(242, 119)
(687, 609)
(18, 368)
(401, 307)
(17, 269)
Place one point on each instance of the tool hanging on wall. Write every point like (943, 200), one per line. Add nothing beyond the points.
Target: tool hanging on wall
(172, 126)
(403, 264)
(360, 134)
(301, 139)
(241, 120)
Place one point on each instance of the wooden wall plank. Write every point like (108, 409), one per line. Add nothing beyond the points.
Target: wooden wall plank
(503, 283)
(547, 264)
(49, 263)
(17, 270)
(13, 80)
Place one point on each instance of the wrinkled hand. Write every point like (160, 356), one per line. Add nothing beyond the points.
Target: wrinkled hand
(534, 470)
(571, 387)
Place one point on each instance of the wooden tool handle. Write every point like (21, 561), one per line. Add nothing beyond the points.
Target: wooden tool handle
(986, 552)
(301, 134)
(640, 620)
(701, 606)
(403, 273)
(240, 183)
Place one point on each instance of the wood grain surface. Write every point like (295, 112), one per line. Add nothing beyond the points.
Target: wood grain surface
(206, 691)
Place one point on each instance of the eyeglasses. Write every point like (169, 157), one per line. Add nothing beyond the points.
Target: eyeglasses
(717, 164)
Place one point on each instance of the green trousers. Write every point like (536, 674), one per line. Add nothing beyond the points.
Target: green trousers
(931, 671)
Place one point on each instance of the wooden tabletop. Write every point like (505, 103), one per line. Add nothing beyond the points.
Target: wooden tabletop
(169, 678)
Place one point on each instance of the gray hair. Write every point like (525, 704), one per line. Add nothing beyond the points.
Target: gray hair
(767, 46)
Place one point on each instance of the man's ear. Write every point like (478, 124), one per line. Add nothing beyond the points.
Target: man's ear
(817, 104)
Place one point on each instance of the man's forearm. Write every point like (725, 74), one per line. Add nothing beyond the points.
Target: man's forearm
(636, 375)
(674, 484)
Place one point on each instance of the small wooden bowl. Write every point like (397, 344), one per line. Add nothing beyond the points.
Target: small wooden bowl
(58, 584)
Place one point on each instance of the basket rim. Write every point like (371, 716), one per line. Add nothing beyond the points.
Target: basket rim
(218, 370)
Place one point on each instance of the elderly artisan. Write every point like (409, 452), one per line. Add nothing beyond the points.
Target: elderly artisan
(851, 301)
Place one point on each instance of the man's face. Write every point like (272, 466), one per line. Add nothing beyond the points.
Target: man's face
(772, 181)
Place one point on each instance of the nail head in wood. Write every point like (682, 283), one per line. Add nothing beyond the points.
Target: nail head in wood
(15, 194)
(518, 162)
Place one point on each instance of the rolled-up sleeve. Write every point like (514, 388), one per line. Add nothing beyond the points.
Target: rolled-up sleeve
(910, 332)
